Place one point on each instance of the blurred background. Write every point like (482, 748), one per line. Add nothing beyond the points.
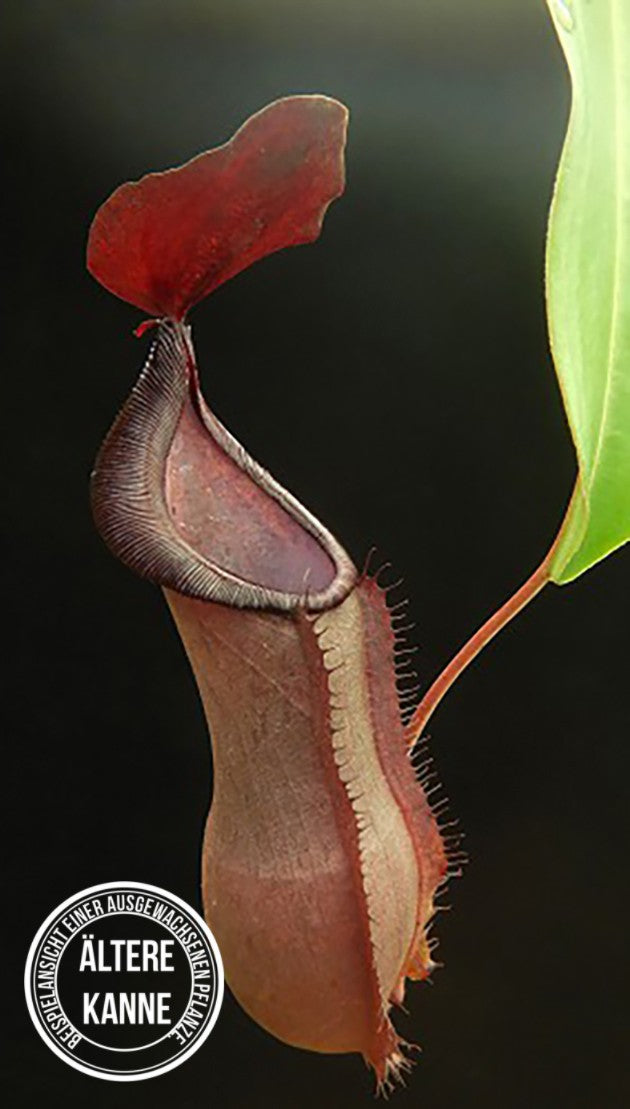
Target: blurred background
(396, 377)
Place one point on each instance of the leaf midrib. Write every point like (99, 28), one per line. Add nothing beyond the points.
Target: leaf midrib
(615, 309)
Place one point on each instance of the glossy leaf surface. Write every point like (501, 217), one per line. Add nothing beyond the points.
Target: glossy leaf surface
(588, 278)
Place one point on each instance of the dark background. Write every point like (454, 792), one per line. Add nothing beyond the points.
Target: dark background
(396, 377)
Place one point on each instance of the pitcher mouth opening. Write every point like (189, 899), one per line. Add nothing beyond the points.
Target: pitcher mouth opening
(182, 503)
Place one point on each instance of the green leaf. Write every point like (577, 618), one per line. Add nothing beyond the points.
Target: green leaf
(588, 278)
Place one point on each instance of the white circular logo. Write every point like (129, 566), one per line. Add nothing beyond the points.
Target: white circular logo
(124, 981)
